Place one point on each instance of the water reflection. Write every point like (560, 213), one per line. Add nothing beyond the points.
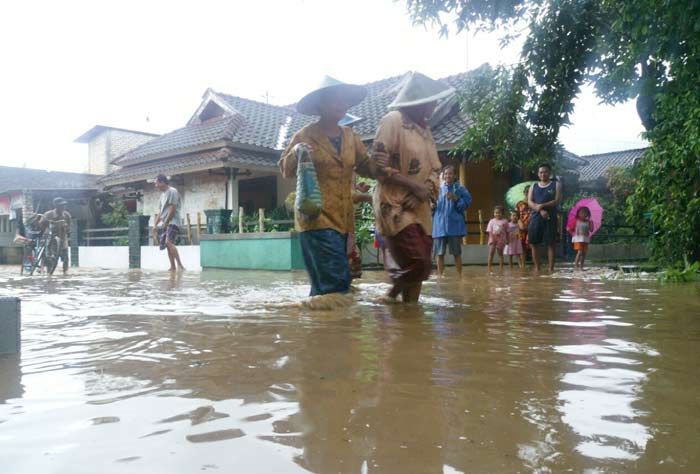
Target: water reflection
(198, 371)
(10, 378)
(598, 400)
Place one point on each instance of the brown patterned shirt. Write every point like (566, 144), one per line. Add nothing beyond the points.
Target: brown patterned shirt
(412, 151)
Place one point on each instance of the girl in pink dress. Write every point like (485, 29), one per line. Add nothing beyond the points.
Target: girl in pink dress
(498, 235)
(514, 245)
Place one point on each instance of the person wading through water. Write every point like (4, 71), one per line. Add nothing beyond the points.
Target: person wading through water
(59, 217)
(337, 153)
(170, 220)
(402, 199)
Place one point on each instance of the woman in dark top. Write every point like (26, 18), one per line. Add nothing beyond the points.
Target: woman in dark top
(543, 199)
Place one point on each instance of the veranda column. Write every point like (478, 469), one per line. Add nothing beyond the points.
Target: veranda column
(463, 182)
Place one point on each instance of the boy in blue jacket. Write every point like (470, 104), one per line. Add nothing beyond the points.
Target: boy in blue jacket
(448, 219)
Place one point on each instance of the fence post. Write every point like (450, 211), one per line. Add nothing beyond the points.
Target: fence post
(10, 324)
(189, 229)
(154, 230)
(199, 226)
(241, 229)
(261, 220)
(138, 235)
(481, 228)
(75, 233)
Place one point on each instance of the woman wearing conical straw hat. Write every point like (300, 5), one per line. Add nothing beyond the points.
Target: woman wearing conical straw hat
(402, 199)
(337, 154)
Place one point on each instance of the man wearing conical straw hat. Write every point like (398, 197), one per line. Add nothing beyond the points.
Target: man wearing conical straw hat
(337, 153)
(402, 200)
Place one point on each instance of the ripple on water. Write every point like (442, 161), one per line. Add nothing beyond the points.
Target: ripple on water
(502, 373)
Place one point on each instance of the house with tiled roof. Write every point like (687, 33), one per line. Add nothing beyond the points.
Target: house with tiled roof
(226, 154)
(593, 173)
(25, 190)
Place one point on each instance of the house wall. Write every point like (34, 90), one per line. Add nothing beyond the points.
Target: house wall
(97, 154)
(110, 144)
(488, 188)
(284, 187)
(198, 192)
(7, 231)
(203, 191)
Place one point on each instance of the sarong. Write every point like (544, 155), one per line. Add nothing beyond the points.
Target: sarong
(168, 235)
(409, 258)
(326, 261)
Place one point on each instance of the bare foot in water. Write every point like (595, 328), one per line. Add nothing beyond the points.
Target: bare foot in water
(387, 299)
(327, 302)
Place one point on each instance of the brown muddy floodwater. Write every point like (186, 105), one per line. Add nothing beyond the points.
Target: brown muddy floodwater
(144, 372)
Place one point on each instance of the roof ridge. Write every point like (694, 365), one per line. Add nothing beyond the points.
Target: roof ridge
(257, 102)
(23, 168)
(457, 74)
(598, 155)
(129, 154)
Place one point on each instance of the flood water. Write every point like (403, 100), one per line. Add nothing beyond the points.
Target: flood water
(147, 372)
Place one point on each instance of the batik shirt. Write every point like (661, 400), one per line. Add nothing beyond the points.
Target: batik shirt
(413, 153)
(335, 171)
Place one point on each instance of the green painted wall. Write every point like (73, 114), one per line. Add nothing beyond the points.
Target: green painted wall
(252, 254)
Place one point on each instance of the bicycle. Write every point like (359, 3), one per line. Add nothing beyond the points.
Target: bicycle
(46, 249)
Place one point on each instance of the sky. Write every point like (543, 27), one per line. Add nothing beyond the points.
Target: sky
(144, 65)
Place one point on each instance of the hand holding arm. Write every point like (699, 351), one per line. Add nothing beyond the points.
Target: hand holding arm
(532, 204)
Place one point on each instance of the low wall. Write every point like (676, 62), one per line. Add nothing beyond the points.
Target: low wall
(11, 255)
(152, 258)
(252, 251)
(281, 251)
(474, 254)
(617, 252)
(116, 257)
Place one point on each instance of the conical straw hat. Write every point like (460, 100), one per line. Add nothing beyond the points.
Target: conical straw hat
(420, 89)
(308, 105)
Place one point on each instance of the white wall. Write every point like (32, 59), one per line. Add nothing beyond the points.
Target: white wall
(110, 144)
(152, 258)
(104, 257)
(202, 191)
(98, 155)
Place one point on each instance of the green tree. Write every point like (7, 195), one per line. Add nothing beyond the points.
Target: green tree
(648, 50)
(117, 217)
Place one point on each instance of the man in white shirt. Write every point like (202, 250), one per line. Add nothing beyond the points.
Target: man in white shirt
(169, 220)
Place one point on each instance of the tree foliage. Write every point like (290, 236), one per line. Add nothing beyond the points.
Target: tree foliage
(117, 217)
(648, 50)
(499, 132)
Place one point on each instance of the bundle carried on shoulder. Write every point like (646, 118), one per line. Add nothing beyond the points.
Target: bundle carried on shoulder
(308, 202)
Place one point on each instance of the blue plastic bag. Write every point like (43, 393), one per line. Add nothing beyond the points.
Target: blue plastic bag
(308, 202)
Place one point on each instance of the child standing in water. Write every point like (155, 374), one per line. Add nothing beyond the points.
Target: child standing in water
(448, 219)
(497, 229)
(514, 247)
(581, 235)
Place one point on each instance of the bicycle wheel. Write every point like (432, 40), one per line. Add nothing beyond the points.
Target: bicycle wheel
(38, 258)
(51, 256)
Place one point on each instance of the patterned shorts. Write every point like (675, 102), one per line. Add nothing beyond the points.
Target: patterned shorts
(169, 235)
